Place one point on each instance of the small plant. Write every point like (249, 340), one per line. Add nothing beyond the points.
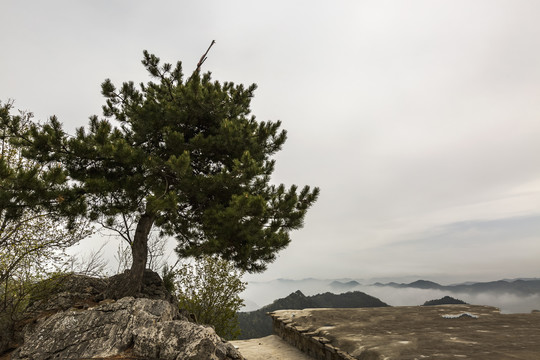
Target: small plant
(209, 288)
(168, 275)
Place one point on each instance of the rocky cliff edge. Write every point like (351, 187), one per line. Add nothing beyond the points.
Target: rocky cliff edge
(80, 322)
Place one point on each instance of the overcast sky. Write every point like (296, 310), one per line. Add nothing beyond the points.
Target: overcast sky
(419, 120)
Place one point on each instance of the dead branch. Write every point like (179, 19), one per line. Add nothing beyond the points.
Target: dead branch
(203, 58)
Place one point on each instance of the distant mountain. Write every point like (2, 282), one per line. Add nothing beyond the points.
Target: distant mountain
(418, 284)
(250, 305)
(424, 284)
(520, 287)
(405, 291)
(256, 324)
(447, 300)
(343, 286)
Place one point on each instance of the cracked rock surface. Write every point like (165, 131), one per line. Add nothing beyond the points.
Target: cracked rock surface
(138, 328)
(411, 332)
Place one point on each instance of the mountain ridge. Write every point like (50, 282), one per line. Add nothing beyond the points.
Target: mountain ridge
(518, 286)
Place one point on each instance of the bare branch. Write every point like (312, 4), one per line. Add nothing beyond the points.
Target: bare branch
(203, 58)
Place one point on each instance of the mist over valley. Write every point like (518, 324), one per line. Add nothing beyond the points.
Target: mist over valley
(511, 296)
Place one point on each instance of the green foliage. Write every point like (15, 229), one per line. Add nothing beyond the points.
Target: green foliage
(184, 155)
(168, 275)
(26, 184)
(254, 324)
(32, 240)
(209, 288)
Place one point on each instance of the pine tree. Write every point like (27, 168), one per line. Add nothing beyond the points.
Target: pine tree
(184, 156)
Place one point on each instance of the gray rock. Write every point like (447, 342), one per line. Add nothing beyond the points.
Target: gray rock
(141, 328)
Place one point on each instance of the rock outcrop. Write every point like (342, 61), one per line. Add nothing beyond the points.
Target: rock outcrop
(85, 325)
(138, 328)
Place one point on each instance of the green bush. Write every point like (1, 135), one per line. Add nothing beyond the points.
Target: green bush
(209, 288)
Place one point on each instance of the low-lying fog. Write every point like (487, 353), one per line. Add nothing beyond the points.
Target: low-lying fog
(259, 294)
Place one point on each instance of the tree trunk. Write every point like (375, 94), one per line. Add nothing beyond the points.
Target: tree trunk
(139, 250)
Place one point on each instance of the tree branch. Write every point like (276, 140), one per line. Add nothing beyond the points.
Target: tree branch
(203, 58)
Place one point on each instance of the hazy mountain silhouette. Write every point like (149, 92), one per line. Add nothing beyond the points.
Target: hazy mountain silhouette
(343, 286)
(520, 287)
(447, 300)
(510, 295)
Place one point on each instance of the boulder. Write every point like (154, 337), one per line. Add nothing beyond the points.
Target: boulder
(79, 317)
(137, 328)
(66, 291)
(47, 297)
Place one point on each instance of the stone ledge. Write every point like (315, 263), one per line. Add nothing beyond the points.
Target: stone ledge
(318, 347)
(435, 332)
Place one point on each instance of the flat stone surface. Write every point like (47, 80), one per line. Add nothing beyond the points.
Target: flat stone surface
(268, 348)
(422, 332)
